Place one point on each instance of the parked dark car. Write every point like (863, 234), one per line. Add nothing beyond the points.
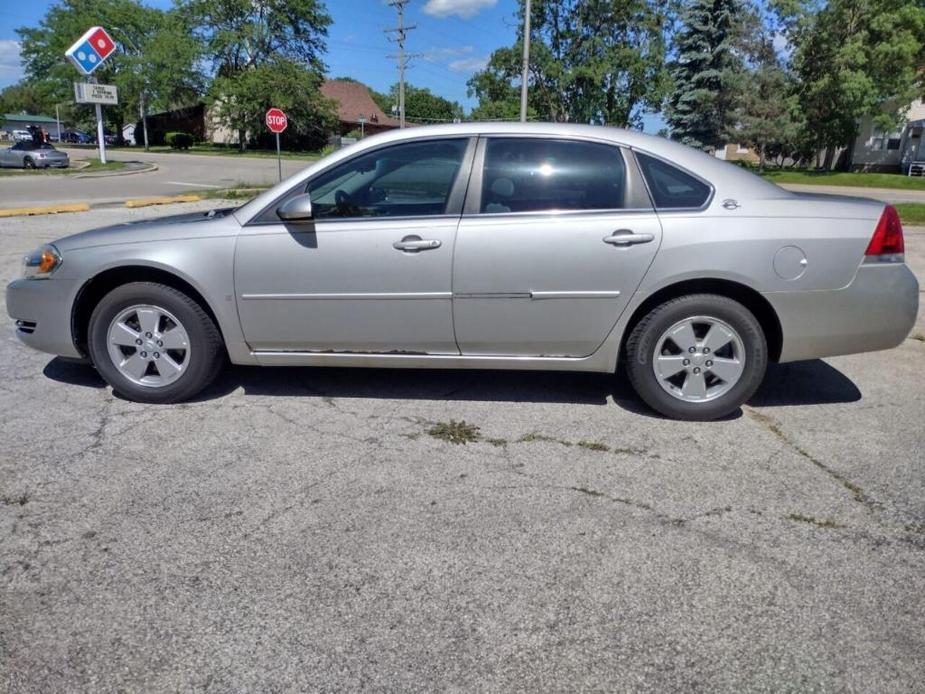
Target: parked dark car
(76, 137)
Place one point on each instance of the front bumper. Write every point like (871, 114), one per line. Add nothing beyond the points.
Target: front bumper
(42, 310)
(876, 311)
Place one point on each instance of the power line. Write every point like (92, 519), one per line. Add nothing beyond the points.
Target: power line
(400, 35)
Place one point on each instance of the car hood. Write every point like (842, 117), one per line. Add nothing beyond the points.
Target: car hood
(218, 222)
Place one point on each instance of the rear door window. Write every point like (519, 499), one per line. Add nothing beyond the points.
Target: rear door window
(670, 187)
(538, 175)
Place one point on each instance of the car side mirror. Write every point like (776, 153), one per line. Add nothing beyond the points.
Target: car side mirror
(297, 209)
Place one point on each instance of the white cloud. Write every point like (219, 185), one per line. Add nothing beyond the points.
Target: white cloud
(10, 67)
(469, 64)
(460, 8)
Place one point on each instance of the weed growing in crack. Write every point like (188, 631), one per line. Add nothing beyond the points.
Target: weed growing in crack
(536, 436)
(819, 523)
(7, 500)
(594, 446)
(455, 432)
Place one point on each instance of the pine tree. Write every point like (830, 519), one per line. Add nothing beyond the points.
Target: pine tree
(701, 109)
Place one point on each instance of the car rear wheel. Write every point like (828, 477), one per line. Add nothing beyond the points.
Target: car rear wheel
(697, 357)
(153, 343)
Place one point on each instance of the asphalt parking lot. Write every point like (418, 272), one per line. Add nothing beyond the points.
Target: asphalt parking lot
(314, 530)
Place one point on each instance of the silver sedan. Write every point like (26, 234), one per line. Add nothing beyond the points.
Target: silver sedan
(485, 246)
(33, 155)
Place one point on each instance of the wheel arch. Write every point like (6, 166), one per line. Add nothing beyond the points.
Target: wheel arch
(750, 298)
(98, 286)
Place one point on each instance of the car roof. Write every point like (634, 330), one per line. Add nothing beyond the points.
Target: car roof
(724, 176)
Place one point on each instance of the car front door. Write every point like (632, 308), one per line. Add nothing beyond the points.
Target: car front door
(556, 236)
(371, 271)
(11, 156)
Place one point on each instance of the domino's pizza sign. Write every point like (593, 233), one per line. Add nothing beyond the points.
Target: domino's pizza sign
(91, 50)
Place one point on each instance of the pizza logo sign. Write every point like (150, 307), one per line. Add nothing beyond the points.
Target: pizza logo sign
(91, 50)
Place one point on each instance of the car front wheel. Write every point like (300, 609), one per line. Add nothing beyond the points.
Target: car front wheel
(153, 343)
(27, 163)
(697, 357)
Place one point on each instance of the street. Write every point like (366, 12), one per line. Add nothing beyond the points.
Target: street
(319, 529)
(176, 173)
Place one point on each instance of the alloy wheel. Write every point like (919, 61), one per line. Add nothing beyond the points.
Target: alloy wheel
(699, 359)
(148, 345)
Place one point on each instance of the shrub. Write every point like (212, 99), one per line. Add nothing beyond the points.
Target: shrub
(179, 140)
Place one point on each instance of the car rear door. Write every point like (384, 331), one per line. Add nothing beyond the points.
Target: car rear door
(555, 238)
(371, 272)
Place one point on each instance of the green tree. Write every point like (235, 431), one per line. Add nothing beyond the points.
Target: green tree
(706, 72)
(854, 58)
(767, 113)
(242, 34)
(421, 104)
(156, 55)
(265, 53)
(592, 61)
(26, 97)
(240, 102)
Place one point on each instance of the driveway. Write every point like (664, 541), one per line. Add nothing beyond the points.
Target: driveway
(319, 530)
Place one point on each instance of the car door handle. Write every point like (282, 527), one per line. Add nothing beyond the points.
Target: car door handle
(626, 237)
(415, 243)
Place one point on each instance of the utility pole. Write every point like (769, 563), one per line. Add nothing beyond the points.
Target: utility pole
(526, 72)
(401, 33)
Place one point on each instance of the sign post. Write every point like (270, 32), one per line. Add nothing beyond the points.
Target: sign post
(277, 122)
(86, 54)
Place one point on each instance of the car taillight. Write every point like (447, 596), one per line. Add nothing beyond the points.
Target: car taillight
(888, 236)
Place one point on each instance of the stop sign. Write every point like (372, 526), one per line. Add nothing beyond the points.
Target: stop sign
(276, 120)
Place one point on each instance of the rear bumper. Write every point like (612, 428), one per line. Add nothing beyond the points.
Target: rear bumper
(876, 311)
(42, 311)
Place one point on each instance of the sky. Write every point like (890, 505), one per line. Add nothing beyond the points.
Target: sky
(453, 39)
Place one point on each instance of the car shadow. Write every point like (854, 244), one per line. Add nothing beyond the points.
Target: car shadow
(802, 383)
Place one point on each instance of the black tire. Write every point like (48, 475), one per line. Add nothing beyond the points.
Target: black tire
(641, 344)
(27, 163)
(206, 355)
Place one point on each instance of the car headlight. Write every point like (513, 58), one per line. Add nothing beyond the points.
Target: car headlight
(41, 262)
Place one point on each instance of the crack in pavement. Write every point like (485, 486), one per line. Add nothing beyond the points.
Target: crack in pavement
(775, 428)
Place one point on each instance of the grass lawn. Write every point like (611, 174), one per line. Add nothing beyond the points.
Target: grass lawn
(95, 165)
(912, 213)
(211, 150)
(241, 191)
(843, 178)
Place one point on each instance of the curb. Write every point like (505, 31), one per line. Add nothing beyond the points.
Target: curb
(163, 200)
(108, 174)
(48, 209)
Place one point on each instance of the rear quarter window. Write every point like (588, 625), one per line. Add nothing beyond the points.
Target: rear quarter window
(670, 187)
